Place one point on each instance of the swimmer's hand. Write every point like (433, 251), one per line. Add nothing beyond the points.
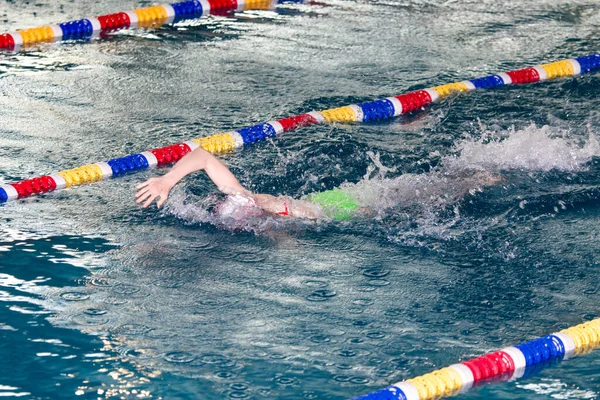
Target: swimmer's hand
(152, 189)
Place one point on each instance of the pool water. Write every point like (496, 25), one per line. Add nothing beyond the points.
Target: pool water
(483, 223)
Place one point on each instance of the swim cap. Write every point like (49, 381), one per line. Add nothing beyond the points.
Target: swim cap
(336, 203)
(238, 206)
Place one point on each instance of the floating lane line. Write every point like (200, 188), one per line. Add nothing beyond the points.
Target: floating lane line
(148, 18)
(508, 364)
(228, 141)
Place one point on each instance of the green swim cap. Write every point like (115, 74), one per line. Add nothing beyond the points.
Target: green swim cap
(336, 203)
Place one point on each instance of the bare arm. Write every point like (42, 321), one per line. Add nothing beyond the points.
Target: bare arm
(197, 160)
(287, 206)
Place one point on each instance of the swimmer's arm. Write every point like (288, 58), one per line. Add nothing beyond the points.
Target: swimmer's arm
(217, 172)
(287, 206)
(197, 160)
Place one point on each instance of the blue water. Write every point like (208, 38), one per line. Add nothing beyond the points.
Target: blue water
(101, 299)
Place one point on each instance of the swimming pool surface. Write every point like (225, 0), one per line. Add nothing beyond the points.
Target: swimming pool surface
(101, 299)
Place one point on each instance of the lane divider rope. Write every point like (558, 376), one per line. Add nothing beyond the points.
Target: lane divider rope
(229, 141)
(508, 364)
(148, 18)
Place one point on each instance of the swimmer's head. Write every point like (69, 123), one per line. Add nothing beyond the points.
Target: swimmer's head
(237, 207)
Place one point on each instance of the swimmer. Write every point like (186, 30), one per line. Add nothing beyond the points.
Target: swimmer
(239, 201)
(337, 204)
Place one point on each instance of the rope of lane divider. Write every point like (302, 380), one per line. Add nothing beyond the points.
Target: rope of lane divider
(149, 17)
(228, 141)
(508, 364)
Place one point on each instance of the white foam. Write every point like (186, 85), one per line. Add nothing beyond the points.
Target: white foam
(530, 149)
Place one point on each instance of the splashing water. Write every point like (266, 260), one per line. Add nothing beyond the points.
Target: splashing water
(529, 149)
(478, 164)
